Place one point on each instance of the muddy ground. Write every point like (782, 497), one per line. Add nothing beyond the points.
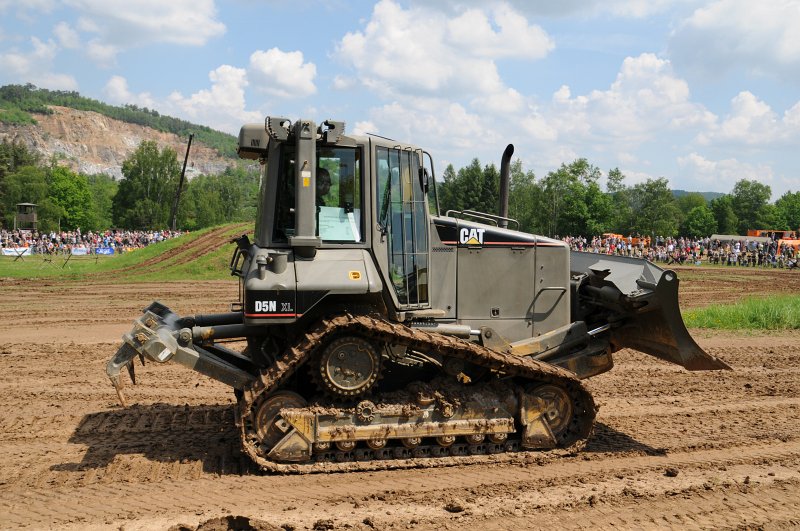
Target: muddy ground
(671, 448)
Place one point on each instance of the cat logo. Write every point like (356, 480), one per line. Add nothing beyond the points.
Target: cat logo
(471, 236)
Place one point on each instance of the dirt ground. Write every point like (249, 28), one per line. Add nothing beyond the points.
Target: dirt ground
(671, 448)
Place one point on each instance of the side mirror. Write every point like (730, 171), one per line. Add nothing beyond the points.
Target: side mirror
(424, 179)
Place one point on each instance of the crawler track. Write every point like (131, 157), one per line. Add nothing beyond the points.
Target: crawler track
(384, 331)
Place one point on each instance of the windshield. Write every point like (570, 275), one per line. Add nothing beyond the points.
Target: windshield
(338, 196)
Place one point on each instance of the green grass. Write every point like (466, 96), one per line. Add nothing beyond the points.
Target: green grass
(131, 266)
(15, 116)
(772, 313)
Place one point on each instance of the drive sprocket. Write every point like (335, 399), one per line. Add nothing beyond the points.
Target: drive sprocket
(348, 366)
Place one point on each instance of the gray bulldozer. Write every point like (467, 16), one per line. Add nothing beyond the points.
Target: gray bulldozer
(380, 331)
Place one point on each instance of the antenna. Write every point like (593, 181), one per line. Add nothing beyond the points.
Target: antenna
(174, 214)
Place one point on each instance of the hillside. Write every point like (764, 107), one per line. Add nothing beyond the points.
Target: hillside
(90, 142)
(95, 137)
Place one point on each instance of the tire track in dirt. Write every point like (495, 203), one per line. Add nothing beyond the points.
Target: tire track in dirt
(75, 460)
(211, 241)
(762, 507)
(409, 494)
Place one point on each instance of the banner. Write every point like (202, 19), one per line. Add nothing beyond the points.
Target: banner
(78, 251)
(16, 251)
(104, 250)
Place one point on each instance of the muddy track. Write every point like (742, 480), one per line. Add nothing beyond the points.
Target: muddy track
(207, 243)
(703, 450)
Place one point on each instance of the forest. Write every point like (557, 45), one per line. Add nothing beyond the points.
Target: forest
(566, 201)
(142, 200)
(571, 201)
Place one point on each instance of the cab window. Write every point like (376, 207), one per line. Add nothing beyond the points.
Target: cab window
(339, 208)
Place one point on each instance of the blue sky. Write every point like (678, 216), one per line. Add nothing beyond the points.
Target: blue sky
(703, 93)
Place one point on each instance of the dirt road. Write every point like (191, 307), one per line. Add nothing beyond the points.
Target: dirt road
(671, 448)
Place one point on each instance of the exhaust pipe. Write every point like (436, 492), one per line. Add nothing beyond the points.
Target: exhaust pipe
(505, 184)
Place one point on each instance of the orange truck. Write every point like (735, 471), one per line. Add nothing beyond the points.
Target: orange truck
(774, 234)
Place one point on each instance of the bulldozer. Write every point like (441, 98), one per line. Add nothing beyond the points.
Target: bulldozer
(375, 329)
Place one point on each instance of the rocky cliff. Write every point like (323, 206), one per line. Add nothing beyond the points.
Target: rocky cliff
(91, 143)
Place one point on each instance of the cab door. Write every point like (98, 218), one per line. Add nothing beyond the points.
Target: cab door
(401, 212)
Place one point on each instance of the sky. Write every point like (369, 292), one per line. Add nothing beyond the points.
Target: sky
(702, 93)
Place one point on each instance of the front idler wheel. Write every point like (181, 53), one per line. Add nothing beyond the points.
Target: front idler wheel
(270, 428)
(558, 410)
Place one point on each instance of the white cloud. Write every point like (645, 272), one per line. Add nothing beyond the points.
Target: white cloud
(343, 82)
(473, 31)
(121, 24)
(67, 37)
(431, 122)
(282, 74)
(752, 122)
(35, 66)
(507, 101)
(364, 127)
(721, 174)
(116, 90)
(101, 53)
(422, 51)
(645, 101)
(646, 105)
(221, 107)
(585, 8)
(761, 37)
(29, 10)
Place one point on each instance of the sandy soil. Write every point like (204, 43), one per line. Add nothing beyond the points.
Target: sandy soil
(671, 448)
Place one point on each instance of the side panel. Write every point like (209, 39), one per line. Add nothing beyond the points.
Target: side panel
(443, 267)
(283, 297)
(551, 307)
(496, 283)
(269, 292)
(514, 282)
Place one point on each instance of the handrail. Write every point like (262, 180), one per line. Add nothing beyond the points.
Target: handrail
(492, 218)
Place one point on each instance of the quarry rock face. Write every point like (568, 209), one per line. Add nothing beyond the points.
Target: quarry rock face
(91, 143)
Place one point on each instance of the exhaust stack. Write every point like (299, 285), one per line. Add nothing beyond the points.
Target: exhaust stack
(505, 184)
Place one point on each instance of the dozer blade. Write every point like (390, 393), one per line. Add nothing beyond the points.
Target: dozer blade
(646, 298)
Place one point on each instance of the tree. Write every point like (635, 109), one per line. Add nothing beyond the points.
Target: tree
(215, 199)
(144, 197)
(523, 197)
(749, 197)
(789, 207)
(28, 184)
(469, 184)
(654, 207)
(71, 192)
(615, 182)
(699, 222)
(572, 202)
(727, 222)
(490, 190)
(621, 218)
(13, 155)
(690, 201)
(771, 217)
(449, 198)
(601, 209)
(555, 186)
(103, 189)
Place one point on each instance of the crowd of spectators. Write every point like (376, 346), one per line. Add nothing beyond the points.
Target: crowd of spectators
(89, 242)
(744, 252)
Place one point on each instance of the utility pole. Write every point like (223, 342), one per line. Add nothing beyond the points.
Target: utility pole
(174, 215)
